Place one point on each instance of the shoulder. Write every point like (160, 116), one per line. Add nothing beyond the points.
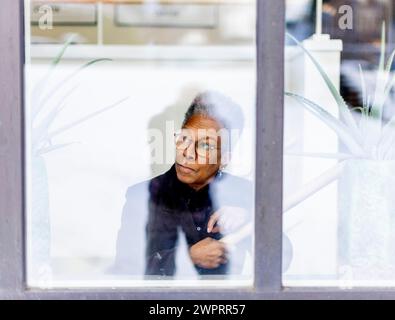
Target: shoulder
(234, 190)
(230, 179)
(148, 187)
(137, 190)
(137, 200)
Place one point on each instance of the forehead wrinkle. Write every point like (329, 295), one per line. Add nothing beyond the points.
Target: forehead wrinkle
(201, 123)
(203, 134)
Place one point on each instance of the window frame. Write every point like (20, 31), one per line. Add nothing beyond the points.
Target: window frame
(270, 31)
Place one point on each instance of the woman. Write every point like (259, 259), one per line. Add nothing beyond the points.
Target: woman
(194, 197)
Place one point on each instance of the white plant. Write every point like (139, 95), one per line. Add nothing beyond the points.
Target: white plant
(370, 137)
(42, 135)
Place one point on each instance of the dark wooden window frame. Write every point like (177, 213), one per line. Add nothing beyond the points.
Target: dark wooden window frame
(269, 156)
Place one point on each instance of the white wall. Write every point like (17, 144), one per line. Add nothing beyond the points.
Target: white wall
(88, 179)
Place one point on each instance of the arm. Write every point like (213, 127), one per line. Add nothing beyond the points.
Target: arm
(233, 198)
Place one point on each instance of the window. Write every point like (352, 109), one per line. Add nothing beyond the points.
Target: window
(117, 195)
(277, 273)
(338, 153)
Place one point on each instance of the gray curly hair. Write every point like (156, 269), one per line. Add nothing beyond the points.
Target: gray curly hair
(220, 108)
(217, 106)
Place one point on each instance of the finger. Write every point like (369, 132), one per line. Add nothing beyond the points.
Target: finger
(223, 247)
(218, 253)
(212, 221)
(211, 264)
(221, 260)
(216, 229)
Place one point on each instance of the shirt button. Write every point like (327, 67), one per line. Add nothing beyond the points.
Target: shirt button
(158, 256)
(198, 228)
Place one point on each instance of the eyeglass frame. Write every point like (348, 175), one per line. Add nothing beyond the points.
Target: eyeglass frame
(206, 154)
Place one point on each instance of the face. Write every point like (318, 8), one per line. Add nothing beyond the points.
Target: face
(198, 155)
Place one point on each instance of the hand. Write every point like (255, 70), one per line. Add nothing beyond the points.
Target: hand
(228, 219)
(208, 253)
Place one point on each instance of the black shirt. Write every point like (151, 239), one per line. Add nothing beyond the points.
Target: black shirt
(172, 207)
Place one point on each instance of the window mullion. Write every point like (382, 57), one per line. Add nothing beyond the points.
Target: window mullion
(269, 152)
(11, 146)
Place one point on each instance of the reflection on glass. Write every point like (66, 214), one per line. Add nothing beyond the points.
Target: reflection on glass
(139, 157)
(194, 196)
(144, 23)
(339, 157)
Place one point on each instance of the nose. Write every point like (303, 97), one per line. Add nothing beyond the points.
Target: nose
(189, 152)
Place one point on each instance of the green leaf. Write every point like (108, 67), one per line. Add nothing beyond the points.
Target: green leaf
(390, 62)
(45, 150)
(60, 55)
(61, 83)
(382, 49)
(380, 96)
(339, 156)
(43, 82)
(336, 125)
(363, 87)
(342, 106)
(86, 118)
(41, 132)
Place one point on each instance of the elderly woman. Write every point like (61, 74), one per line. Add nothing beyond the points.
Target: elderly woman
(194, 198)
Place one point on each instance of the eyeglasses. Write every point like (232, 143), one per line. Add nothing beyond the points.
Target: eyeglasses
(203, 147)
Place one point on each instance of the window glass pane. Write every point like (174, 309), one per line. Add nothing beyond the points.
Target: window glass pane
(339, 149)
(140, 143)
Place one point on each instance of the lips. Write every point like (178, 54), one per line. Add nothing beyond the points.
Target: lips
(184, 170)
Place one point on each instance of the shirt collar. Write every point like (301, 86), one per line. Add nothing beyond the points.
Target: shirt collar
(184, 188)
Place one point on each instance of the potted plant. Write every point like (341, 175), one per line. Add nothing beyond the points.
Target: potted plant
(366, 234)
(43, 114)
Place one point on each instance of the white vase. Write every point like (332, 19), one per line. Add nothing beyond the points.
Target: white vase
(366, 240)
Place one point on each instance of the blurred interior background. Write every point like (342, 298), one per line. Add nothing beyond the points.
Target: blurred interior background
(158, 56)
(162, 54)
